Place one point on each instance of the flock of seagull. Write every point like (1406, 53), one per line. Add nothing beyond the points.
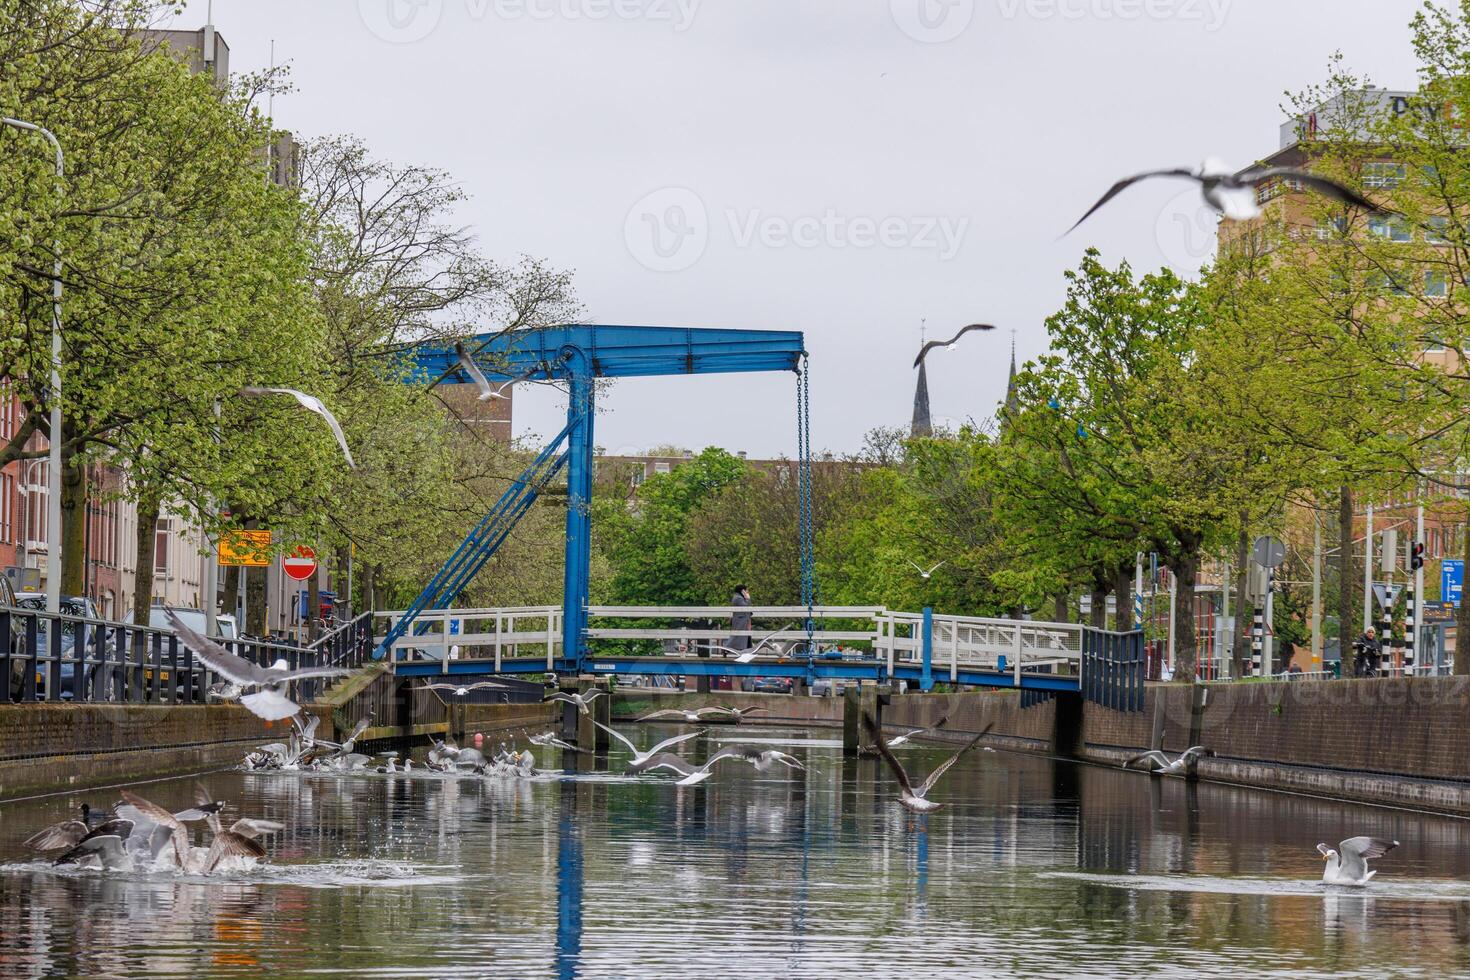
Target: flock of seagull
(139, 834)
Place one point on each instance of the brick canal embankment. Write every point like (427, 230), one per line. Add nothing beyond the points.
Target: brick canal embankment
(1392, 741)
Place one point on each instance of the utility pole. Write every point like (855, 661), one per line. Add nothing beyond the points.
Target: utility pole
(1417, 617)
(1367, 575)
(53, 491)
(1317, 597)
(1226, 655)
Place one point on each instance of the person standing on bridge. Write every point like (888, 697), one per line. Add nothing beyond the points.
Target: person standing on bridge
(740, 620)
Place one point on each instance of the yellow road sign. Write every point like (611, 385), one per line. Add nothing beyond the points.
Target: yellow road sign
(245, 548)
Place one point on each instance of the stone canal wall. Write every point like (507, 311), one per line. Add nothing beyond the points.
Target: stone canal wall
(1393, 741)
(48, 748)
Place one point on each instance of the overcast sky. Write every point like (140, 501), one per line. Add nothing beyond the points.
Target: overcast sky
(840, 167)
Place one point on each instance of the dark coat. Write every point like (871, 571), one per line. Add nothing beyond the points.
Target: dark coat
(740, 621)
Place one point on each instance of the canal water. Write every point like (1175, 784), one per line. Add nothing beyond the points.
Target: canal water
(1035, 868)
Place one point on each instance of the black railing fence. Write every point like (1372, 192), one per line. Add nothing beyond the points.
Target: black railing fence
(1113, 669)
(59, 657)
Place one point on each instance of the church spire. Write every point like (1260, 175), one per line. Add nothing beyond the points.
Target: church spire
(921, 425)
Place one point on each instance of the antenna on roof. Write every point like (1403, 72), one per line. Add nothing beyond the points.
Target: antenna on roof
(209, 34)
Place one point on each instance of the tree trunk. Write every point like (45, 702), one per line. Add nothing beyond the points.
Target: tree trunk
(231, 575)
(1347, 583)
(1462, 620)
(1099, 616)
(370, 588)
(256, 581)
(345, 604)
(1123, 589)
(1240, 645)
(1062, 612)
(73, 520)
(148, 507)
(1186, 654)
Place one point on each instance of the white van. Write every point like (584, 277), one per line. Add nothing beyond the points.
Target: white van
(192, 618)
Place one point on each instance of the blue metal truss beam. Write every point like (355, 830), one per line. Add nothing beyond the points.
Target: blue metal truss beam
(834, 669)
(613, 351)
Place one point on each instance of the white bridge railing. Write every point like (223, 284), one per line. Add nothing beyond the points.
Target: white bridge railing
(956, 642)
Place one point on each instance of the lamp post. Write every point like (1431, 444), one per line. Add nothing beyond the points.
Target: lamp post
(53, 503)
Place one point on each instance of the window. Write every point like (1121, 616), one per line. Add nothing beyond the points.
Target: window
(661, 467)
(1436, 284)
(1436, 230)
(640, 473)
(7, 508)
(1381, 282)
(1386, 175)
(160, 546)
(1393, 229)
(1332, 228)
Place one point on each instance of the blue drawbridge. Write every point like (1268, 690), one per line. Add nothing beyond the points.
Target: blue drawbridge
(579, 354)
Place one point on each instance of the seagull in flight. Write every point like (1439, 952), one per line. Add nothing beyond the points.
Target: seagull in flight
(460, 690)
(312, 404)
(269, 701)
(905, 737)
(925, 574)
(1160, 764)
(748, 655)
(924, 351)
(762, 761)
(915, 798)
(696, 715)
(550, 741)
(1235, 196)
(580, 700)
(487, 390)
(1348, 865)
(646, 761)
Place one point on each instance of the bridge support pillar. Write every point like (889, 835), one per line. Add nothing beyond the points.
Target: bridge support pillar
(589, 736)
(857, 700)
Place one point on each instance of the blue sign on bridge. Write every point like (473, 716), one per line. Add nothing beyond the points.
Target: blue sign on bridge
(1451, 580)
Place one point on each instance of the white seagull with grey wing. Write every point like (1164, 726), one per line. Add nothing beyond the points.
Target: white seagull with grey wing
(269, 701)
(312, 404)
(1348, 864)
(1235, 196)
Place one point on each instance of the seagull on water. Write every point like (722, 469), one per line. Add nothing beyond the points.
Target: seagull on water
(104, 847)
(904, 738)
(312, 404)
(580, 700)
(345, 747)
(460, 690)
(69, 833)
(1235, 196)
(1348, 865)
(646, 761)
(923, 574)
(1160, 764)
(269, 701)
(915, 798)
(948, 344)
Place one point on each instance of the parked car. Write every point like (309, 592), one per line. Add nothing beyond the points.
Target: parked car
(772, 685)
(71, 605)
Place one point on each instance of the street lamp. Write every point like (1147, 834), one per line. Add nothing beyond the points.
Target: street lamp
(53, 503)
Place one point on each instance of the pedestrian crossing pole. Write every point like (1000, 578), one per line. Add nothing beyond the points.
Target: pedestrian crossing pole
(1416, 610)
(1258, 622)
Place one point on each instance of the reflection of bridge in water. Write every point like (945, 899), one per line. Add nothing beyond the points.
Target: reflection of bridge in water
(852, 643)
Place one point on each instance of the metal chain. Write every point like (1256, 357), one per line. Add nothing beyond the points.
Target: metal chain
(804, 496)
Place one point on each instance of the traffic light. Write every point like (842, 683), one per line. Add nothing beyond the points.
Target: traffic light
(1416, 556)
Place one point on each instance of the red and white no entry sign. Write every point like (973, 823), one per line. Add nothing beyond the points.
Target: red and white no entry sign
(300, 564)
